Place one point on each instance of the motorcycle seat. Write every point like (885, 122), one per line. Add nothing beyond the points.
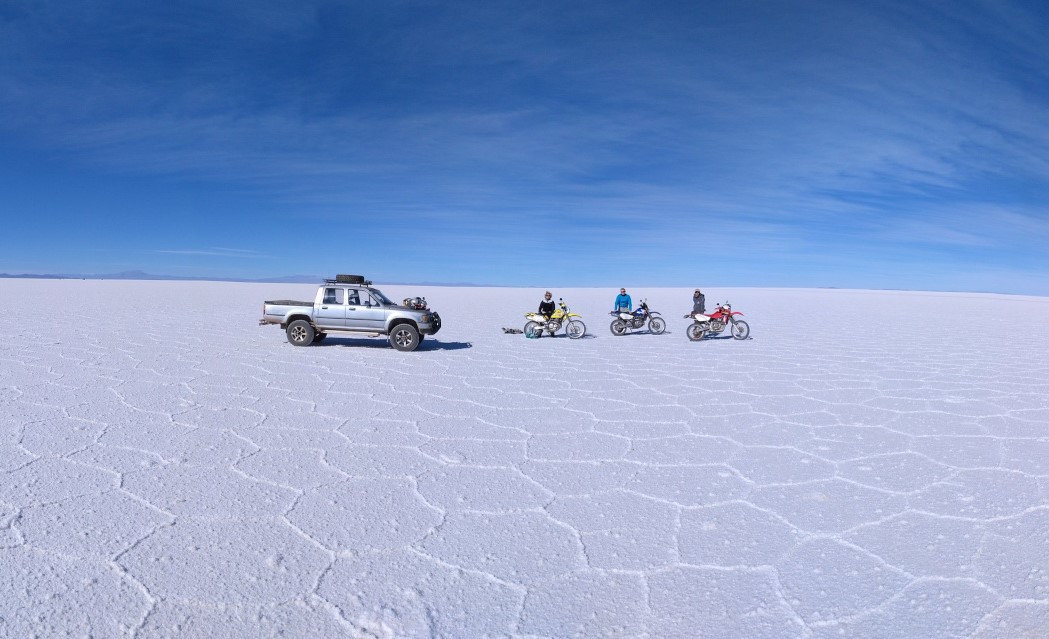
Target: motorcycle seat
(626, 316)
(700, 317)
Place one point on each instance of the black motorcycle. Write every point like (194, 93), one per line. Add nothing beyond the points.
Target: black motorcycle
(623, 322)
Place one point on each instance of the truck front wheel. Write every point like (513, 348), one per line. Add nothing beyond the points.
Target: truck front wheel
(300, 333)
(404, 337)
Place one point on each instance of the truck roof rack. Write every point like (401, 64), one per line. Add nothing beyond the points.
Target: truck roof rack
(348, 279)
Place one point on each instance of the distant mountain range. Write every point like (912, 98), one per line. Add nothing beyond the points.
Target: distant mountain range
(142, 275)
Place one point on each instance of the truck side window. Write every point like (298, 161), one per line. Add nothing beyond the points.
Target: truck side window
(354, 300)
(332, 296)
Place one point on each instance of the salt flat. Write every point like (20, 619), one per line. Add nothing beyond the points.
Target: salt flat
(869, 464)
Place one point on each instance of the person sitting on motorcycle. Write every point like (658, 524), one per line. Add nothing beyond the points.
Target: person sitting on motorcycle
(623, 303)
(546, 308)
(699, 303)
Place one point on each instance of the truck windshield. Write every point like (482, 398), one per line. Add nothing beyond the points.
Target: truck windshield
(382, 298)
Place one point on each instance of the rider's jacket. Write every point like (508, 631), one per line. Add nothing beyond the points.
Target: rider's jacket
(699, 304)
(546, 307)
(623, 302)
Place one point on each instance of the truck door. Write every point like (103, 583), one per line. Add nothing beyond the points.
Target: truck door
(332, 311)
(364, 312)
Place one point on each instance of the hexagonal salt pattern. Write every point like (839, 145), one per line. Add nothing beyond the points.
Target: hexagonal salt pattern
(171, 469)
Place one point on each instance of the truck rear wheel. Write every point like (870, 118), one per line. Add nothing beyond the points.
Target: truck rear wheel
(404, 337)
(300, 333)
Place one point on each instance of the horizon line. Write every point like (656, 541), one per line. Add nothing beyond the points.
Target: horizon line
(305, 279)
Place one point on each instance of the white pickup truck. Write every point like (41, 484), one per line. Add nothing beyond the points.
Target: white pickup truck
(350, 304)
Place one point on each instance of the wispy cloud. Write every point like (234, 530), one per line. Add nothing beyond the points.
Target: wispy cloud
(213, 252)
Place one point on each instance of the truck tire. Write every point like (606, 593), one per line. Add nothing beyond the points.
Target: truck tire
(404, 337)
(301, 333)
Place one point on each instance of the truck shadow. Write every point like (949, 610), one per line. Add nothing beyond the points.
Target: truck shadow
(436, 345)
(358, 342)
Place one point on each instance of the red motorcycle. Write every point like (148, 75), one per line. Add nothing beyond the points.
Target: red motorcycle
(716, 322)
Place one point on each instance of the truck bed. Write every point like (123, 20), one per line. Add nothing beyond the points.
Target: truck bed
(274, 311)
(289, 303)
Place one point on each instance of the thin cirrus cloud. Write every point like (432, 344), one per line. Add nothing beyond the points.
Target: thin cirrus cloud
(213, 252)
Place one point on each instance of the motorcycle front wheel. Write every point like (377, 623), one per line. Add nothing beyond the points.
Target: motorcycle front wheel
(575, 329)
(656, 325)
(695, 332)
(618, 327)
(740, 329)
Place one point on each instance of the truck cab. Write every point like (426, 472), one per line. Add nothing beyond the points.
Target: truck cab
(353, 307)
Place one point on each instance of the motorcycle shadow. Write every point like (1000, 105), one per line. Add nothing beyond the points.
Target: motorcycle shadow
(719, 337)
(563, 336)
(364, 342)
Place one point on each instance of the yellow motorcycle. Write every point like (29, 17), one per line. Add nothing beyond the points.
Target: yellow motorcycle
(537, 322)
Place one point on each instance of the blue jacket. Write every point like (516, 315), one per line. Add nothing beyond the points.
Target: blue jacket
(623, 300)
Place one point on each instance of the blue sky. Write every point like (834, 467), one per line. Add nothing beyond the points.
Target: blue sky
(850, 144)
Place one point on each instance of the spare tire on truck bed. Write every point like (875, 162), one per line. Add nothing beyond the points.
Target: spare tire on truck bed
(349, 279)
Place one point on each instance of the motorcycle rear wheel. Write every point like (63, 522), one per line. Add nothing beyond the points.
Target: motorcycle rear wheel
(695, 332)
(575, 329)
(656, 325)
(740, 329)
(618, 327)
(531, 329)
